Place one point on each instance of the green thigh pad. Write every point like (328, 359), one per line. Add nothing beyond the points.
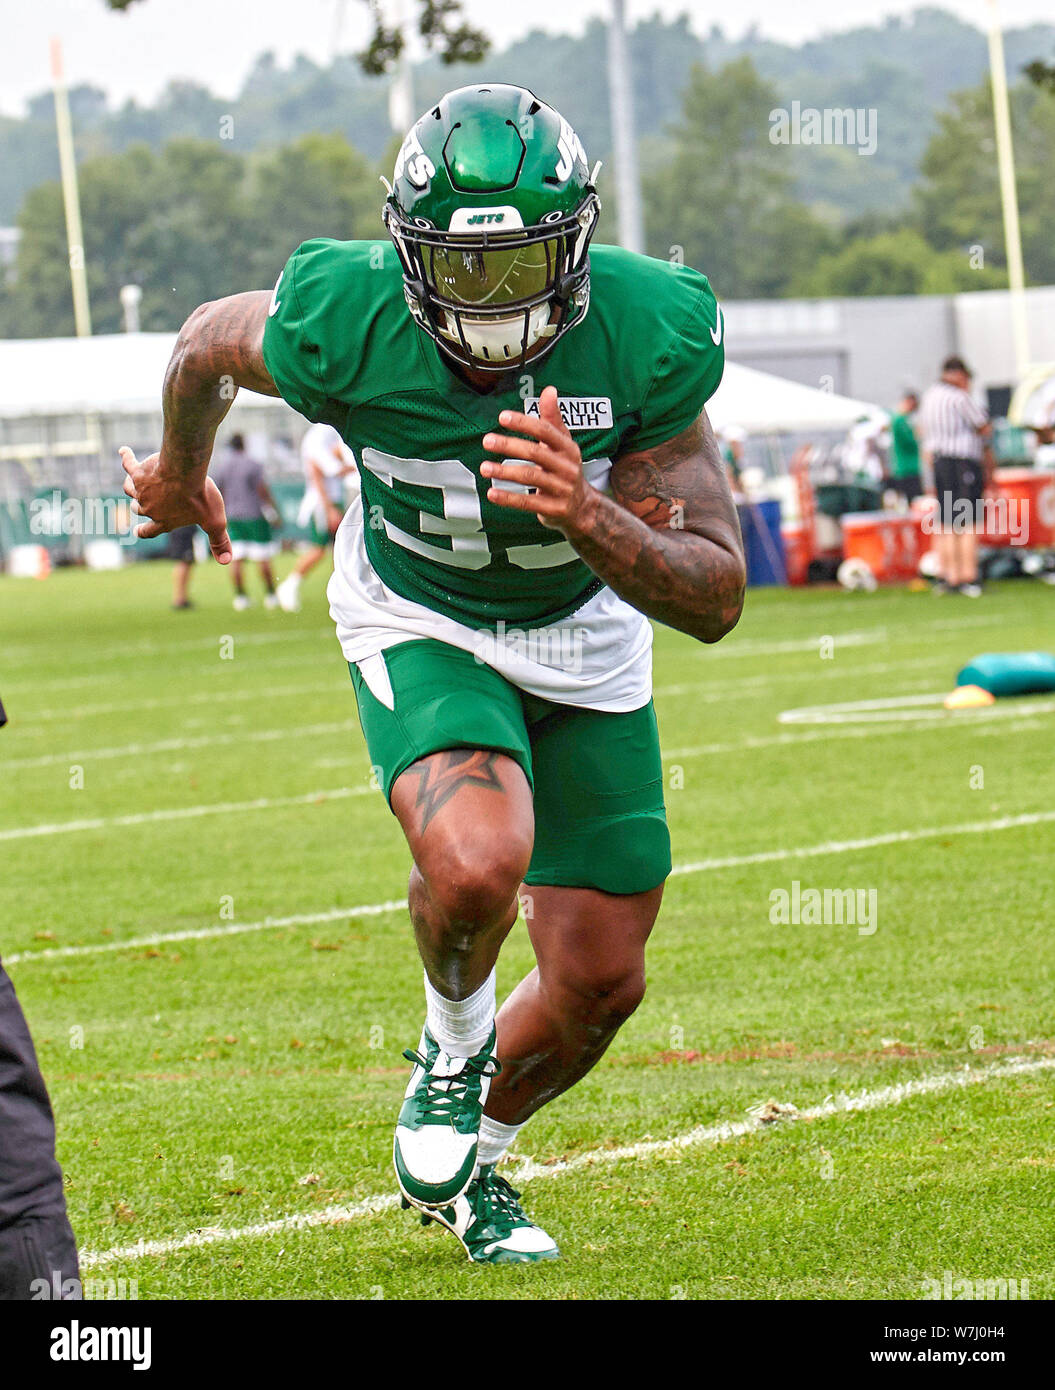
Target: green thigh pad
(597, 777)
(444, 698)
(600, 821)
(256, 529)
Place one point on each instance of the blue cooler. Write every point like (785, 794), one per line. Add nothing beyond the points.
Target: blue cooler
(763, 543)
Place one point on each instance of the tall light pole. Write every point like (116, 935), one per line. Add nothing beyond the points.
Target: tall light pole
(401, 111)
(131, 298)
(624, 142)
(68, 164)
(1005, 156)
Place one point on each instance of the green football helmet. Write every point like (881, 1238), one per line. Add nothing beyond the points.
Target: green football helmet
(491, 210)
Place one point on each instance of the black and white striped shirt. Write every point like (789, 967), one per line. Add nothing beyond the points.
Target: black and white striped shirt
(949, 421)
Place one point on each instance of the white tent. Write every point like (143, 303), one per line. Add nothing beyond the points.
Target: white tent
(110, 374)
(760, 403)
(121, 373)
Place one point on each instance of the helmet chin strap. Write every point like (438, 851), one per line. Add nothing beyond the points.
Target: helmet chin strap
(500, 340)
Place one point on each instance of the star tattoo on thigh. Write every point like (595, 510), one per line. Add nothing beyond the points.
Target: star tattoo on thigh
(444, 774)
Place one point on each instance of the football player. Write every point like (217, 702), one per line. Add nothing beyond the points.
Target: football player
(538, 480)
(328, 463)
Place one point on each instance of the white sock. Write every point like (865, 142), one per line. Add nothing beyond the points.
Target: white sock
(495, 1138)
(461, 1026)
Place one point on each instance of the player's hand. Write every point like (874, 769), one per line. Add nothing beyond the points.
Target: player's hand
(166, 503)
(552, 468)
(334, 517)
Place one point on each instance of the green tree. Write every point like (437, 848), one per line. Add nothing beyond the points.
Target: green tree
(892, 262)
(36, 301)
(317, 186)
(173, 223)
(726, 194)
(190, 223)
(1041, 74)
(958, 197)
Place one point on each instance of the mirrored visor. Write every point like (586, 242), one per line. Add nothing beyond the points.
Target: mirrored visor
(495, 276)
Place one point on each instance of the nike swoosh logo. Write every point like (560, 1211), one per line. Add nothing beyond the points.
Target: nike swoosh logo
(276, 303)
(716, 335)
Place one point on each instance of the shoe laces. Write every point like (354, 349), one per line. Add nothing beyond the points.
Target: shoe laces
(496, 1204)
(445, 1098)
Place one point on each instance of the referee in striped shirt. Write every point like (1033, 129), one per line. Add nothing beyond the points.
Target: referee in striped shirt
(954, 430)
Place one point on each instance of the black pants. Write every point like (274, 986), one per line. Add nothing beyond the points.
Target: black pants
(960, 484)
(908, 485)
(181, 544)
(36, 1242)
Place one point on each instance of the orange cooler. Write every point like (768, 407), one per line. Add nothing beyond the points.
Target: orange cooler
(890, 543)
(796, 551)
(1028, 498)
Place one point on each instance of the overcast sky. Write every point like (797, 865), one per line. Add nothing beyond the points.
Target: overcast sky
(215, 41)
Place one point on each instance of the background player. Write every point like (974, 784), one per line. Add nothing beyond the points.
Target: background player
(245, 494)
(328, 463)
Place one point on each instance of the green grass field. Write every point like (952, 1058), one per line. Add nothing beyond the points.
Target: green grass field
(201, 912)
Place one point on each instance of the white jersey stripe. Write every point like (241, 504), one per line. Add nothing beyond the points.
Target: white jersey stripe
(949, 421)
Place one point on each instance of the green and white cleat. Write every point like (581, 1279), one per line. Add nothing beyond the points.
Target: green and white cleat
(439, 1124)
(491, 1224)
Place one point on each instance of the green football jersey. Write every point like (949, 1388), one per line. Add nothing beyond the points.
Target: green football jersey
(904, 448)
(342, 348)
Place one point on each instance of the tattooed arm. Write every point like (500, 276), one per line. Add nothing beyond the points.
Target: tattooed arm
(686, 567)
(668, 540)
(219, 349)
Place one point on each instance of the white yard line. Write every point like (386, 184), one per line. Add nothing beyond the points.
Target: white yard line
(892, 837)
(217, 698)
(138, 943)
(701, 866)
(931, 697)
(822, 671)
(529, 1170)
(146, 646)
(181, 745)
(898, 707)
(761, 646)
(217, 808)
(884, 729)
(976, 620)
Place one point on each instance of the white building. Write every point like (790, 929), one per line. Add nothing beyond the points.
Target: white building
(875, 347)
